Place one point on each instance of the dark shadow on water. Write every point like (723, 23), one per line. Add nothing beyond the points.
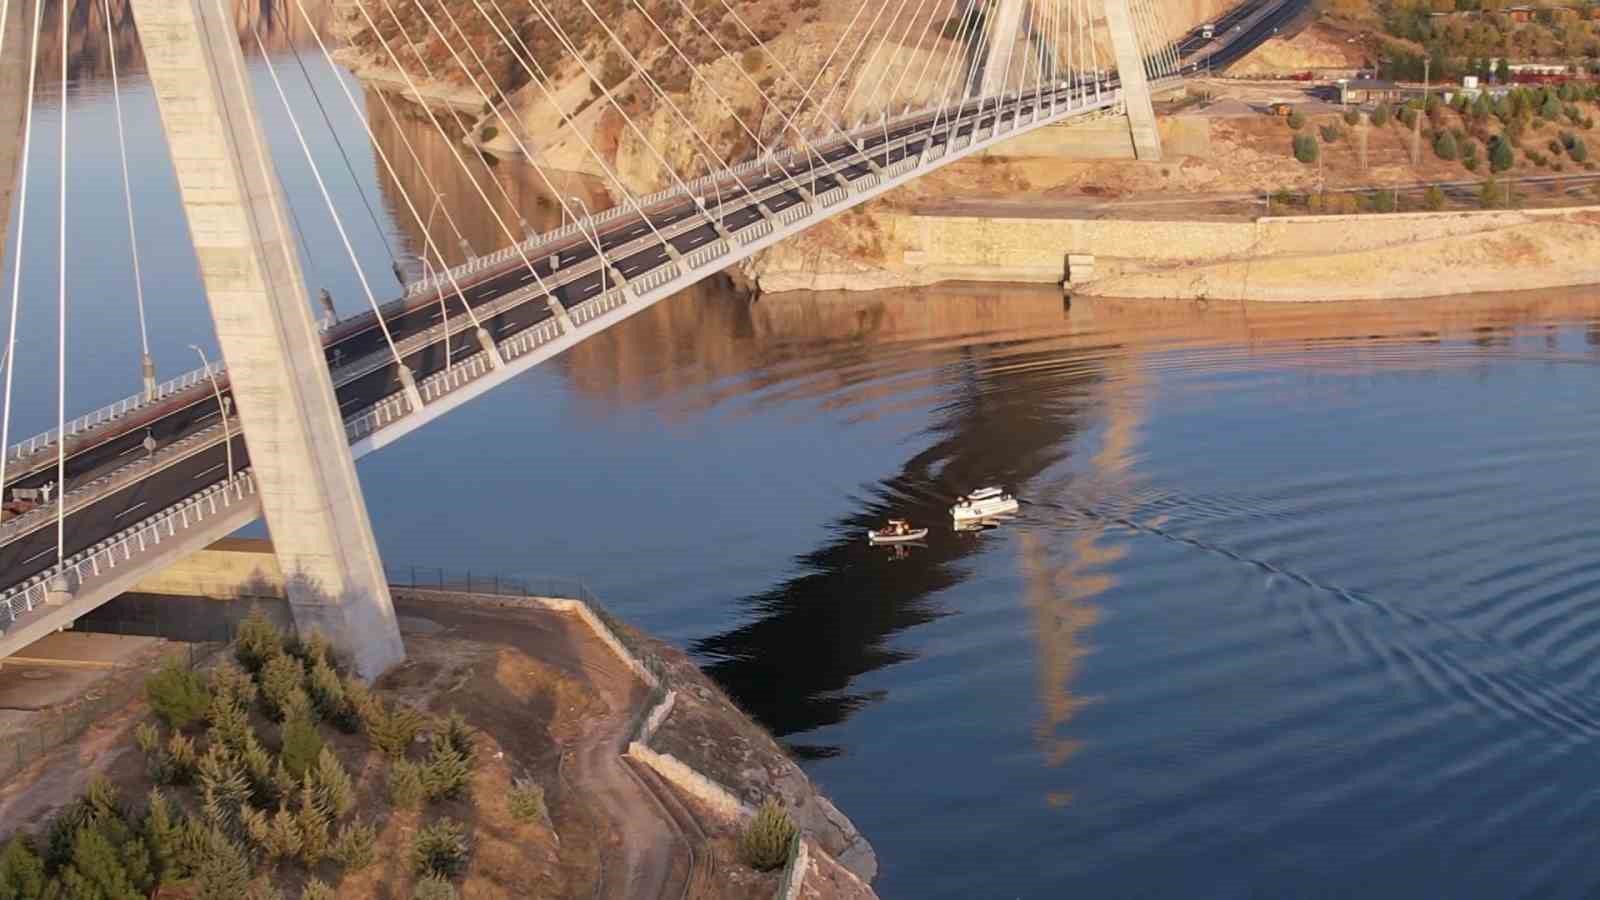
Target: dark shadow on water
(813, 635)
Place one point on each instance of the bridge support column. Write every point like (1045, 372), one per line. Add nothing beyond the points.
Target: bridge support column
(1135, 87)
(1004, 37)
(237, 220)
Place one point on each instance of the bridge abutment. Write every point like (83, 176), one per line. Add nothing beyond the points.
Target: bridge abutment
(309, 490)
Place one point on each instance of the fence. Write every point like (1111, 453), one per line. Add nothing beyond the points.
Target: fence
(46, 730)
(467, 581)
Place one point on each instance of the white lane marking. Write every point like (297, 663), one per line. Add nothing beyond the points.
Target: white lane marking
(206, 416)
(134, 449)
(129, 509)
(590, 289)
(210, 470)
(528, 277)
(350, 401)
(37, 555)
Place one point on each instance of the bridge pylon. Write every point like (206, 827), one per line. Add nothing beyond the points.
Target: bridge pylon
(1131, 76)
(292, 425)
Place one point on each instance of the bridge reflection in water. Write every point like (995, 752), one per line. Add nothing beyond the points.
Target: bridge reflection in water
(1023, 389)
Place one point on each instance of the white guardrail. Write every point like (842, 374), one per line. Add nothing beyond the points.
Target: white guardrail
(120, 548)
(110, 412)
(197, 508)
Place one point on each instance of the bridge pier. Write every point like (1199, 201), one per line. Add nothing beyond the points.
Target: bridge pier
(237, 218)
(1135, 86)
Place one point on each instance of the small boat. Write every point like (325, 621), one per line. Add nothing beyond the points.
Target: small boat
(983, 503)
(898, 531)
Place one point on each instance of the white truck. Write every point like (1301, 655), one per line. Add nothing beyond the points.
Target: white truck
(1208, 31)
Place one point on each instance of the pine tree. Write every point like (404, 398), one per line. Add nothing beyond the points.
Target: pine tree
(314, 825)
(97, 869)
(223, 871)
(224, 789)
(283, 681)
(21, 871)
(258, 642)
(161, 834)
(334, 789)
(301, 745)
(446, 773)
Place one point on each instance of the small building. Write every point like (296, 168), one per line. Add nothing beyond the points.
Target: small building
(1366, 91)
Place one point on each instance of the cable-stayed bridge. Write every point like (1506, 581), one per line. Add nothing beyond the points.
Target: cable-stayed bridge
(107, 497)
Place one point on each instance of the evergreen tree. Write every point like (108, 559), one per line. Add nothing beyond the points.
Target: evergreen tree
(161, 834)
(1445, 146)
(21, 871)
(1501, 157)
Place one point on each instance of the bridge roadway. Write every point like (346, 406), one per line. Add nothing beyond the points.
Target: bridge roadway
(187, 428)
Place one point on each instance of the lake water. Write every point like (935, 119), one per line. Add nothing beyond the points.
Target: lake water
(1302, 601)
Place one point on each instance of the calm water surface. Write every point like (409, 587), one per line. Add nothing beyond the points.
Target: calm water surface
(1301, 601)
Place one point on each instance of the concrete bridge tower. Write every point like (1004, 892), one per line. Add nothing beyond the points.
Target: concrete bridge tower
(1010, 17)
(237, 217)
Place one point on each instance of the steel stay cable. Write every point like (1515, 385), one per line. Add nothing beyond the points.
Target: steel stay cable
(763, 150)
(516, 242)
(527, 154)
(787, 117)
(406, 376)
(561, 34)
(429, 244)
(962, 61)
(649, 79)
(844, 71)
(455, 116)
(127, 185)
(16, 272)
(883, 40)
(922, 44)
(524, 58)
(61, 316)
(343, 154)
(922, 74)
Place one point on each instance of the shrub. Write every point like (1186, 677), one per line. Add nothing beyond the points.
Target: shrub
(391, 728)
(1500, 156)
(1555, 147)
(1550, 108)
(334, 790)
(439, 849)
(1471, 163)
(229, 681)
(277, 837)
(258, 642)
(526, 800)
(446, 773)
(283, 692)
(1445, 147)
(1408, 117)
(1380, 115)
(265, 789)
(301, 745)
(1352, 117)
(405, 784)
(355, 846)
(1433, 198)
(764, 843)
(1383, 201)
(176, 694)
(230, 724)
(458, 734)
(316, 889)
(1331, 133)
(161, 833)
(1490, 195)
(1579, 151)
(1296, 119)
(223, 788)
(21, 870)
(222, 871)
(326, 690)
(1305, 148)
(434, 888)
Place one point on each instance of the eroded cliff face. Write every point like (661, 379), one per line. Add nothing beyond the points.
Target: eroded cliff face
(720, 85)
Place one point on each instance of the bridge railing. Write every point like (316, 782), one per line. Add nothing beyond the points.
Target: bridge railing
(467, 581)
(120, 548)
(110, 412)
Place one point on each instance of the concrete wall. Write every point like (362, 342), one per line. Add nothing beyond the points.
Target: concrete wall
(232, 568)
(1106, 137)
(1295, 258)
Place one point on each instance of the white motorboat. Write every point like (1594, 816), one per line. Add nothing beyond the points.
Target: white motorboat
(898, 531)
(983, 503)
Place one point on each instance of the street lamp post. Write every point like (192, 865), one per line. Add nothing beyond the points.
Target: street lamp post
(599, 248)
(223, 406)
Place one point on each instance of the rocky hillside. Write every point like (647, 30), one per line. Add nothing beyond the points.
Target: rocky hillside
(718, 85)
